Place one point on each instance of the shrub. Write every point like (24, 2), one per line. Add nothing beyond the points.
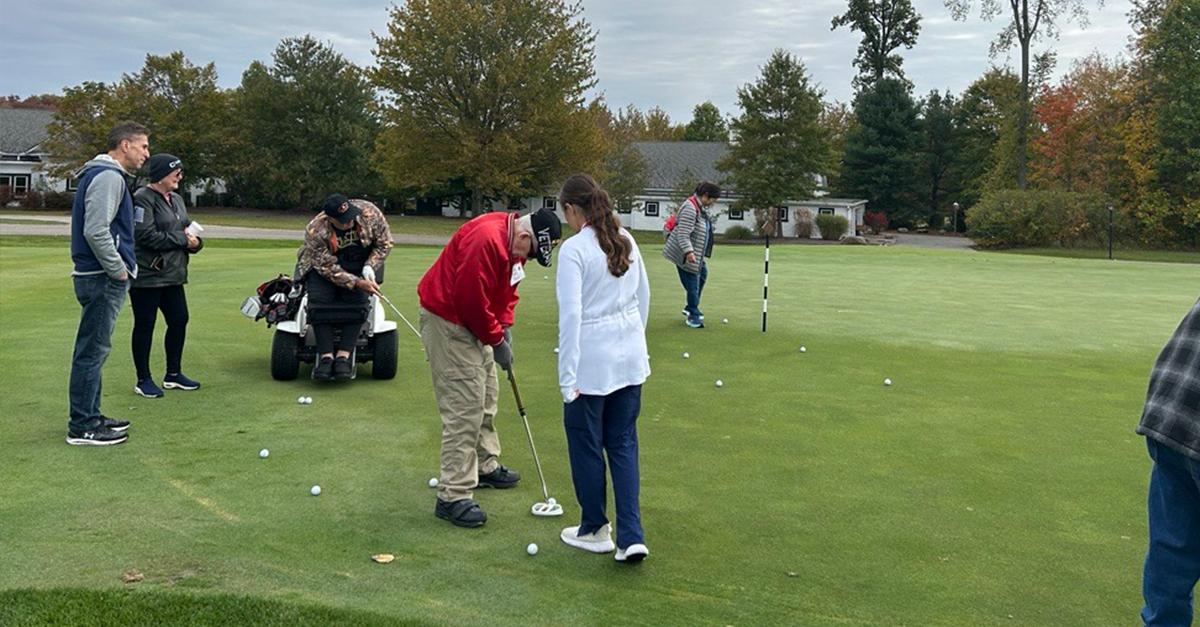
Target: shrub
(804, 223)
(59, 200)
(1038, 218)
(32, 200)
(832, 227)
(5, 195)
(877, 221)
(738, 231)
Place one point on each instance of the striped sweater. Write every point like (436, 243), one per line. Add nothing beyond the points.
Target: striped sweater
(692, 234)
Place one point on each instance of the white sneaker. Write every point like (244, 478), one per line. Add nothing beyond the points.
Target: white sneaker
(633, 553)
(599, 541)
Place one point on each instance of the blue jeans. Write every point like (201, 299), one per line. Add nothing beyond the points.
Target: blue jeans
(1173, 559)
(101, 299)
(608, 422)
(693, 286)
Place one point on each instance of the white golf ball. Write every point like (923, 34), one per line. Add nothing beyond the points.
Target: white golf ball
(531, 549)
(686, 356)
(803, 350)
(300, 400)
(433, 482)
(887, 381)
(556, 351)
(308, 400)
(315, 491)
(724, 320)
(264, 453)
(551, 501)
(720, 383)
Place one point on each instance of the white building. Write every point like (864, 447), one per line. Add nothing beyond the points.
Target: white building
(672, 162)
(22, 132)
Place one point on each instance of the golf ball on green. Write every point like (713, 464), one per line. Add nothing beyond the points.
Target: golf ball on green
(315, 491)
(264, 453)
(433, 482)
(531, 549)
(887, 381)
(803, 350)
(686, 356)
(720, 383)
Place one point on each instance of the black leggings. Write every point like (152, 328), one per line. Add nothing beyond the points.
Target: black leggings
(321, 291)
(146, 302)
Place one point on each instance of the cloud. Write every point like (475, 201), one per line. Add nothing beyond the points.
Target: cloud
(669, 53)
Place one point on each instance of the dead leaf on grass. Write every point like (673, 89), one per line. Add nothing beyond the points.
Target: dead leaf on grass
(383, 558)
(132, 575)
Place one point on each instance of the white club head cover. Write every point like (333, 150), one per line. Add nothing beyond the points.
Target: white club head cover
(369, 273)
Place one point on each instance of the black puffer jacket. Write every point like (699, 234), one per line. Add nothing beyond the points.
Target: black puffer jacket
(161, 243)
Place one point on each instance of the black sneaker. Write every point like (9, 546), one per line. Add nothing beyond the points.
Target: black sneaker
(500, 478)
(323, 371)
(464, 513)
(114, 424)
(100, 436)
(341, 368)
(180, 381)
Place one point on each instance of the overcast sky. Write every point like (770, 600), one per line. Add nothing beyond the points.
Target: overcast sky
(671, 53)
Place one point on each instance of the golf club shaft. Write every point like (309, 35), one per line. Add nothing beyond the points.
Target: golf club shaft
(389, 304)
(528, 432)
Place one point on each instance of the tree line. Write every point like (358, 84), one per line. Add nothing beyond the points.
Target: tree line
(486, 101)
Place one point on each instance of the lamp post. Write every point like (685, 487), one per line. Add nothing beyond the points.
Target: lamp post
(955, 206)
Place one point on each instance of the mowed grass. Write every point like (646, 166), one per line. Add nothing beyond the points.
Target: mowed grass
(998, 482)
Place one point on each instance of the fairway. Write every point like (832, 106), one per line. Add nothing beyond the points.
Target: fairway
(997, 482)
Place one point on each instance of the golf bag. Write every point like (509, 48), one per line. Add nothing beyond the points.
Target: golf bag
(268, 304)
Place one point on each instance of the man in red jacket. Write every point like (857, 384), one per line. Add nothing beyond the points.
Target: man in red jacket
(467, 299)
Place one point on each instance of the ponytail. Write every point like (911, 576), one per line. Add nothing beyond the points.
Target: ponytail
(583, 191)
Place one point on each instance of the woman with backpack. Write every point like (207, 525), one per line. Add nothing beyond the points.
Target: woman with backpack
(603, 304)
(689, 242)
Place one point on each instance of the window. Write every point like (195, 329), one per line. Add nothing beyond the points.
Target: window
(625, 209)
(72, 184)
(652, 210)
(783, 213)
(549, 202)
(825, 211)
(445, 202)
(737, 214)
(18, 184)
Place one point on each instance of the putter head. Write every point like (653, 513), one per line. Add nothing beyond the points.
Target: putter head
(546, 509)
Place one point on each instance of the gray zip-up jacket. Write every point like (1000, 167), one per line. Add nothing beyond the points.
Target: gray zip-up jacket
(160, 240)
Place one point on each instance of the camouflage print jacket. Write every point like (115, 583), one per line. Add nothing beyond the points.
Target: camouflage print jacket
(319, 253)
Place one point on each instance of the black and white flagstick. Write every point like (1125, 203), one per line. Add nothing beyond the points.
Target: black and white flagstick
(766, 271)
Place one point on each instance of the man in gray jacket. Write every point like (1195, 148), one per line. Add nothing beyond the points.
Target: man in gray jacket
(102, 249)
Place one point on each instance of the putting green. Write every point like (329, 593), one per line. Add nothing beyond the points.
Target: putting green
(998, 481)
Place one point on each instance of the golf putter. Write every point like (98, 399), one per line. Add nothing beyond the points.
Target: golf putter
(389, 304)
(549, 507)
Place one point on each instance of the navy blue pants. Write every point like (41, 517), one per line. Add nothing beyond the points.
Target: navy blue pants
(609, 424)
(1173, 559)
(693, 287)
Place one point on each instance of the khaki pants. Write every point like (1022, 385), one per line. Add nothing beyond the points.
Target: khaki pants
(466, 387)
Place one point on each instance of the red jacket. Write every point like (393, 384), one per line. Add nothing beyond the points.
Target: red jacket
(469, 283)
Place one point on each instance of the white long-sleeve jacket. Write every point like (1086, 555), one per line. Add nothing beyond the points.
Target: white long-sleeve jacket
(601, 319)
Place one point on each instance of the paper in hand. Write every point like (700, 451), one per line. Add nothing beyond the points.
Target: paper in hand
(194, 228)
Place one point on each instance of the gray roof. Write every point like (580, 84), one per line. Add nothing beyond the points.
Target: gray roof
(23, 129)
(668, 161)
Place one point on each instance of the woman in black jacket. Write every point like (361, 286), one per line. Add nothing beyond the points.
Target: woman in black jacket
(163, 246)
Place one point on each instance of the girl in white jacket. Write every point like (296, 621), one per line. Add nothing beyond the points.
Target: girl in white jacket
(603, 303)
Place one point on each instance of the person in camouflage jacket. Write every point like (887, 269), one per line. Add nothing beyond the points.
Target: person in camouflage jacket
(344, 247)
(318, 252)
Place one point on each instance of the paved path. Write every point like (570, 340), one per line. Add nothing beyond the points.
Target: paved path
(61, 225)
